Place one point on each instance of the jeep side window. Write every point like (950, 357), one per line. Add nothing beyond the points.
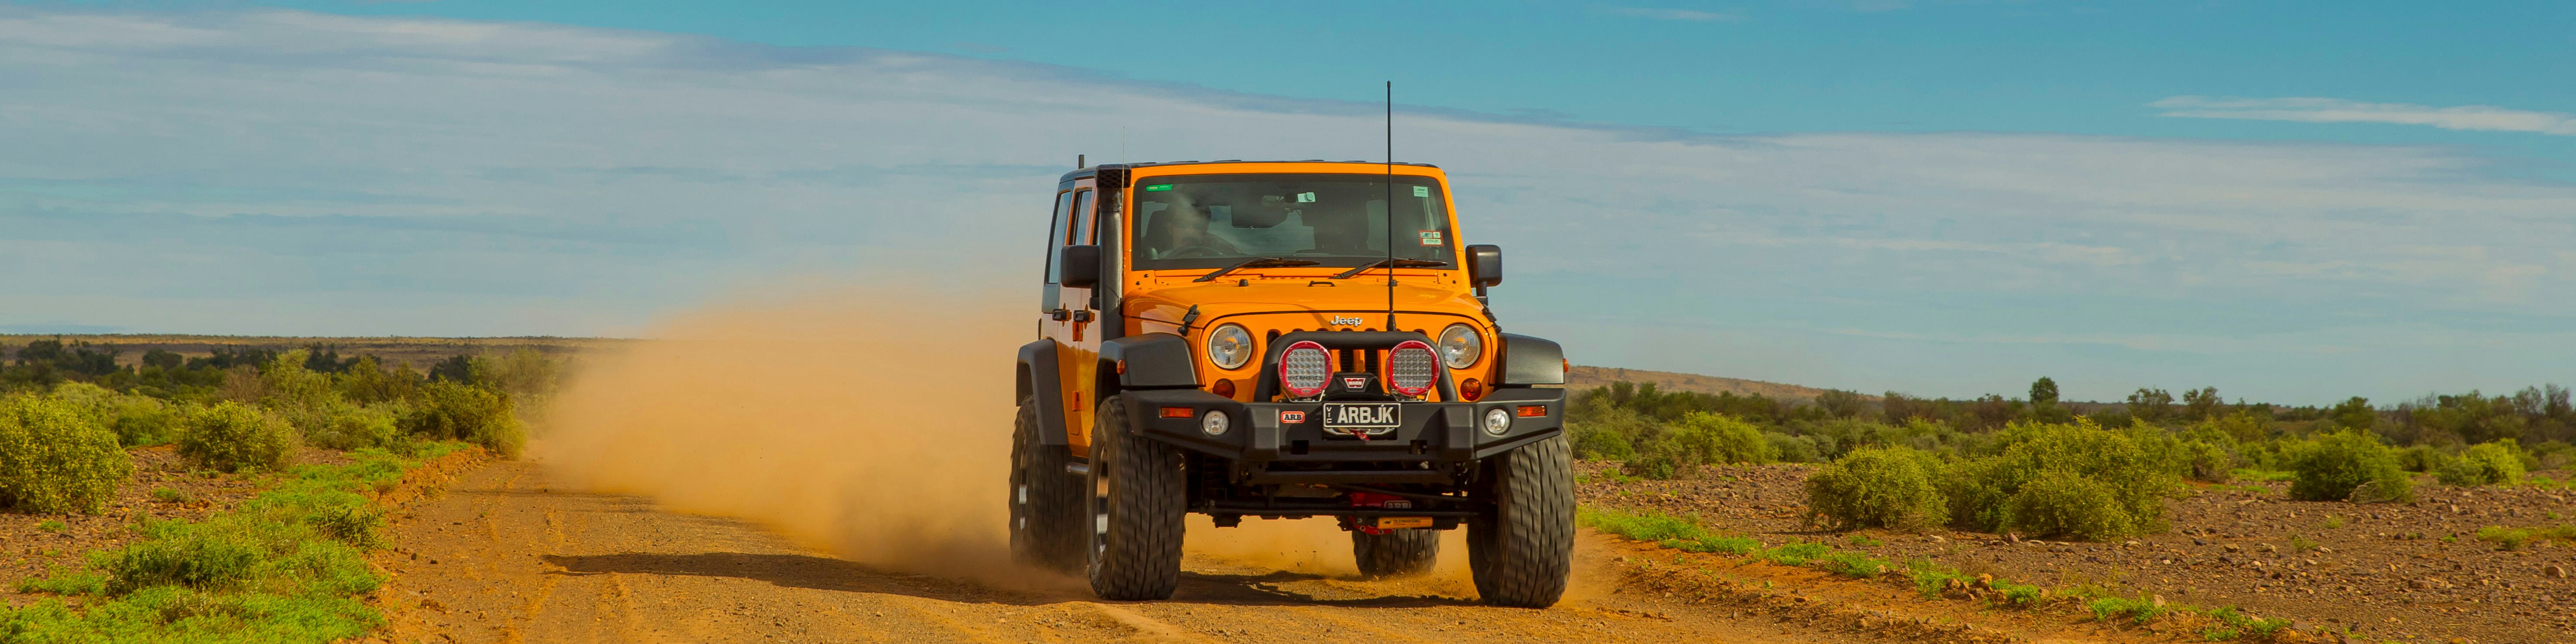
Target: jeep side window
(1055, 237)
(1082, 218)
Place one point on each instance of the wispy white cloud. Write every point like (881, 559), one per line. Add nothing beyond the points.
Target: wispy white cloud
(1678, 14)
(2335, 110)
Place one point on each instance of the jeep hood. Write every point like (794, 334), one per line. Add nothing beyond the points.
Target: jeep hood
(1323, 299)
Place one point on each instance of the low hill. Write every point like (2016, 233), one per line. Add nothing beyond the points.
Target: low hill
(418, 352)
(1584, 377)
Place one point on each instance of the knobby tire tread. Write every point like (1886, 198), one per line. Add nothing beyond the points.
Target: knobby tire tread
(1397, 553)
(1522, 555)
(1142, 560)
(1052, 536)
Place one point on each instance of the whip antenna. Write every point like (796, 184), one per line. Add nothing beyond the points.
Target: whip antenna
(1390, 205)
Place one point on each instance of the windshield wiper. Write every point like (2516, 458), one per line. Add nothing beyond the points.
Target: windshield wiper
(1257, 262)
(1398, 263)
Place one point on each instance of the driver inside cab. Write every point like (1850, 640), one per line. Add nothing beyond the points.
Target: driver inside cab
(1181, 230)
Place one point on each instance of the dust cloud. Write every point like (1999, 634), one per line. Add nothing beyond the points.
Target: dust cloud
(872, 424)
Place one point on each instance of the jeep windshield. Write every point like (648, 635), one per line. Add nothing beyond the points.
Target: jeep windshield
(1334, 220)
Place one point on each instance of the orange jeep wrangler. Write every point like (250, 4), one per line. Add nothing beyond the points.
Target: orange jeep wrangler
(1282, 340)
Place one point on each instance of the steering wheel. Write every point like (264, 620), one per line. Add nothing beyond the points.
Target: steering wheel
(1196, 251)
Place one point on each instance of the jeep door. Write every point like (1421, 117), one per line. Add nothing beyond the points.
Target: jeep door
(1070, 316)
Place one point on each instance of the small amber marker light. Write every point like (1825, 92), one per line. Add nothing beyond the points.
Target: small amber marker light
(1533, 411)
(1224, 388)
(1471, 390)
(1177, 412)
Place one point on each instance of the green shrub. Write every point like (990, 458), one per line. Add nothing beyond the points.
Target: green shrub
(1661, 459)
(1888, 487)
(1592, 441)
(2064, 503)
(136, 420)
(1719, 438)
(56, 458)
(232, 437)
(1794, 449)
(448, 410)
(346, 426)
(2423, 458)
(2496, 463)
(2122, 492)
(1700, 438)
(2348, 465)
(2551, 454)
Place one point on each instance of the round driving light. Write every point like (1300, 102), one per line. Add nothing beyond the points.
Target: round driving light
(1229, 346)
(1304, 368)
(1460, 346)
(1498, 420)
(1215, 423)
(1411, 369)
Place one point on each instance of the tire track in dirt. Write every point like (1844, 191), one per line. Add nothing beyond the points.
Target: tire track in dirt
(506, 557)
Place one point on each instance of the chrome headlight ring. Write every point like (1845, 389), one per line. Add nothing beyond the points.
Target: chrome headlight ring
(1229, 347)
(1461, 346)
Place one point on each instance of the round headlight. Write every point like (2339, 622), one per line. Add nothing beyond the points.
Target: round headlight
(1229, 347)
(1215, 423)
(1498, 420)
(1460, 346)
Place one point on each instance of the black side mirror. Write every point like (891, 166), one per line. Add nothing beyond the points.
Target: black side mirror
(1485, 264)
(1080, 265)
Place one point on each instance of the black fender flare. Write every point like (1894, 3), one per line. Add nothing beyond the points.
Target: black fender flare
(1037, 378)
(1531, 361)
(1147, 361)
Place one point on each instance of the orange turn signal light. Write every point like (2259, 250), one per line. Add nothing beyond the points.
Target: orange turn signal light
(1176, 412)
(1224, 388)
(1532, 411)
(1471, 390)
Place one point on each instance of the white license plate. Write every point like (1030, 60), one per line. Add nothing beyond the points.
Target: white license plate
(1362, 415)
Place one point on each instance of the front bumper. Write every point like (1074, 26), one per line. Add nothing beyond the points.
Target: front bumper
(1441, 432)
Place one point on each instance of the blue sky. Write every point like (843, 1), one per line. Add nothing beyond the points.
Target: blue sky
(2290, 201)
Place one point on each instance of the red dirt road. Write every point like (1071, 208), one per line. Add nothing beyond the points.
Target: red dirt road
(505, 557)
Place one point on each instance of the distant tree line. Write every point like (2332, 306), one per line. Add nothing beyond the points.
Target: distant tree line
(41, 365)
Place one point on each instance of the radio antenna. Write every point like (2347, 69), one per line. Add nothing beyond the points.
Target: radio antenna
(1390, 206)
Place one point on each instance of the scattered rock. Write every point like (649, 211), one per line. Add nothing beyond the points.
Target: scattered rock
(2553, 572)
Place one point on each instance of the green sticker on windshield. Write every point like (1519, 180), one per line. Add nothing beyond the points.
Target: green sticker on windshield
(1422, 191)
(1162, 187)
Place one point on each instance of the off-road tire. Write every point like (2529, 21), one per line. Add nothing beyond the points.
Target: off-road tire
(1522, 548)
(1397, 553)
(1046, 500)
(1135, 507)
